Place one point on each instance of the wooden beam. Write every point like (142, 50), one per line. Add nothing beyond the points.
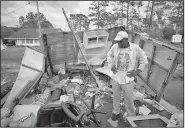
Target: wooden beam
(168, 78)
(65, 47)
(150, 64)
(46, 52)
(32, 68)
(78, 43)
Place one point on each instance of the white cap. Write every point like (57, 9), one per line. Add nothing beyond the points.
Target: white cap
(121, 35)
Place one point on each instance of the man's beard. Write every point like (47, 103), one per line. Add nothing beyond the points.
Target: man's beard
(125, 46)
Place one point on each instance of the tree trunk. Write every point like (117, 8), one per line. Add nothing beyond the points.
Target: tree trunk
(177, 25)
(138, 16)
(127, 12)
(151, 16)
(80, 23)
(147, 13)
(98, 15)
(122, 13)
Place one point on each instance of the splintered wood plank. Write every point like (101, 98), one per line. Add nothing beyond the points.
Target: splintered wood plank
(164, 57)
(157, 77)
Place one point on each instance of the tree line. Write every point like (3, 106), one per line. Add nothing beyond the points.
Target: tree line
(164, 15)
(158, 14)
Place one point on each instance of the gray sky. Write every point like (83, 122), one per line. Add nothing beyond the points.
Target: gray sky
(51, 9)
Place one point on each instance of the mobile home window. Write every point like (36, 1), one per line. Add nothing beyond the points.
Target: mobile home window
(29, 41)
(36, 41)
(23, 41)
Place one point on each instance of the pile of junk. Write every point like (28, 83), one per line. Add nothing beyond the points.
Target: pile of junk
(71, 99)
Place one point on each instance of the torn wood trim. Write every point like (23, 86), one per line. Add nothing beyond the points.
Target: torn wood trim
(32, 68)
(35, 49)
(3, 100)
(156, 42)
(168, 77)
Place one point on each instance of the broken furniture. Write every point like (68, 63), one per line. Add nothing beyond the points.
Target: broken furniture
(94, 39)
(94, 47)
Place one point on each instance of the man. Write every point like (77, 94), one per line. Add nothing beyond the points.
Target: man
(122, 60)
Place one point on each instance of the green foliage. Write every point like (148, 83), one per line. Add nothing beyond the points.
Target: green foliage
(79, 21)
(31, 21)
(168, 32)
(98, 13)
(6, 31)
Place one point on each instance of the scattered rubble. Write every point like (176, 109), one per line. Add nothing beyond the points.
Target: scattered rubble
(62, 88)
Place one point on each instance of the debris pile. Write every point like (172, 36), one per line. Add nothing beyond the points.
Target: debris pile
(76, 88)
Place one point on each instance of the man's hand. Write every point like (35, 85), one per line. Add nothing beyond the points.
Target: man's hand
(133, 73)
(114, 70)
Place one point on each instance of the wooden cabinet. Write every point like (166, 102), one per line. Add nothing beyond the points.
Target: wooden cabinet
(94, 39)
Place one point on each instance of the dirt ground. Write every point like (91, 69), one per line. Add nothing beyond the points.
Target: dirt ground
(12, 57)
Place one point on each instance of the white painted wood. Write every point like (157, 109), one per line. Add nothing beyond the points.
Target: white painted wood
(176, 38)
(131, 119)
(33, 59)
(99, 39)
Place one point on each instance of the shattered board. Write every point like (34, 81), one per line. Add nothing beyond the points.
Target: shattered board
(31, 67)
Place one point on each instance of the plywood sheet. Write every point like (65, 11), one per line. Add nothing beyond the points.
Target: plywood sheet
(24, 76)
(164, 56)
(60, 51)
(157, 77)
(33, 59)
(55, 38)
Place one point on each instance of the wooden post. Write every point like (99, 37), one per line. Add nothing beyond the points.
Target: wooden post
(46, 53)
(78, 43)
(98, 14)
(151, 16)
(65, 47)
(168, 78)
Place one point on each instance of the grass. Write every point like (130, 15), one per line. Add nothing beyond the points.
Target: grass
(11, 59)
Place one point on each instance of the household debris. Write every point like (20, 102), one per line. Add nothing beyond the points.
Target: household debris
(143, 110)
(176, 120)
(78, 88)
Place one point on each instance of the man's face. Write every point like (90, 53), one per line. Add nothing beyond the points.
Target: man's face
(123, 43)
